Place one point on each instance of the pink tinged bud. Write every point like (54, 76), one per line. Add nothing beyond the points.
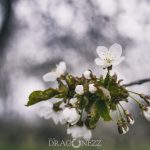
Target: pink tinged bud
(146, 98)
(122, 126)
(146, 113)
(130, 120)
(129, 117)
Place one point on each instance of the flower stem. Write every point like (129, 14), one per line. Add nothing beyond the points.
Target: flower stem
(107, 78)
(135, 100)
(134, 93)
(122, 107)
(140, 95)
(119, 112)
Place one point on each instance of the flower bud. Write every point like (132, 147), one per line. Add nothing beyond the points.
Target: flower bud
(87, 74)
(129, 117)
(146, 113)
(71, 115)
(146, 98)
(105, 92)
(122, 126)
(123, 129)
(79, 89)
(73, 101)
(92, 88)
(70, 80)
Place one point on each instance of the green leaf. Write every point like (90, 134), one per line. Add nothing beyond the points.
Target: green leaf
(103, 110)
(38, 96)
(92, 121)
(70, 81)
(107, 80)
(98, 109)
(93, 117)
(83, 101)
(63, 90)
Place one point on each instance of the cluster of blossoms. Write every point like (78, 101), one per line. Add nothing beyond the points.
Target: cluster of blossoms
(79, 102)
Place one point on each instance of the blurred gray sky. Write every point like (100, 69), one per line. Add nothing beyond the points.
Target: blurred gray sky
(37, 34)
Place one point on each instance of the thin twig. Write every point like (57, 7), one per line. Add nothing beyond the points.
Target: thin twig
(138, 82)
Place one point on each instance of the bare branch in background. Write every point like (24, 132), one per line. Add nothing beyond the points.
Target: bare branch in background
(138, 82)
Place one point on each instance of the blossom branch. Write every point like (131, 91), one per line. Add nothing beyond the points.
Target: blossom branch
(88, 94)
(138, 82)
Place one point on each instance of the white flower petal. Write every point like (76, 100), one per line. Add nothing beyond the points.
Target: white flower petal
(55, 119)
(132, 121)
(99, 62)
(51, 76)
(117, 62)
(70, 115)
(62, 105)
(116, 50)
(127, 128)
(124, 131)
(79, 132)
(44, 109)
(101, 51)
(87, 135)
(61, 68)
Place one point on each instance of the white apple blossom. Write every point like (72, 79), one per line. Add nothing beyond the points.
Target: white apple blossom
(92, 88)
(147, 113)
(70, 115)
(79, 89)
(87, 74)
(45, 109)
(52, 76)
(79, 132)
(73, 101)
(109, 57)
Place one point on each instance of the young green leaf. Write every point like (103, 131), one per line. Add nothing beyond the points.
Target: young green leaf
(100, 109)
(103, 110)
(38, 96)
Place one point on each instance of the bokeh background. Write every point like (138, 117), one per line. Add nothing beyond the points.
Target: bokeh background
(37, 34)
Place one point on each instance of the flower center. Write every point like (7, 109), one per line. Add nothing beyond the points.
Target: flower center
(108, 58)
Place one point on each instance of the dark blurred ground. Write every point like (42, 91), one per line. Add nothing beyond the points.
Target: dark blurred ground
(35, 35)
